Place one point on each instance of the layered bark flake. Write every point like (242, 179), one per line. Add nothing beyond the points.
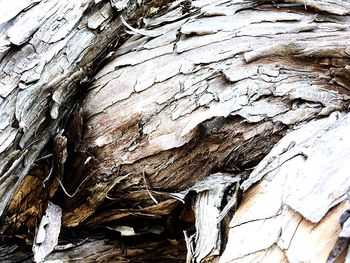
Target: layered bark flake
(216, 127)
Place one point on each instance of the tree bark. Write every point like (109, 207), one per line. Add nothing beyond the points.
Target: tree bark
(219, 128)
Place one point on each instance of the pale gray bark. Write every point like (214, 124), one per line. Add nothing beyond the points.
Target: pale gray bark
(299, 182)
(195, 89)
(48, 49)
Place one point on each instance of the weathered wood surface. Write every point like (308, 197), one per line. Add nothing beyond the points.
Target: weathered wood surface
(47, 49)
(98, 249)
(46, 237)
(211, 92)
(294, 211)
(199, 88)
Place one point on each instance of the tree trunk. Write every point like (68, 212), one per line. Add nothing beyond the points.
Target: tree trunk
(177, 131)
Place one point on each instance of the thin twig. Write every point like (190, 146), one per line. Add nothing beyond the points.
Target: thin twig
(50, 173)
(44, 157)
(149, 193)
(76, 191)
(123, 177)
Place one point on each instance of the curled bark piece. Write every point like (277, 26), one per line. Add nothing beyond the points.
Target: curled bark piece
(210, 197)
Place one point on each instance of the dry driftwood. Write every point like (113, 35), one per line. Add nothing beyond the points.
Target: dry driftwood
(168, 113)
(195, 88)
(294, 211)
(48, 48)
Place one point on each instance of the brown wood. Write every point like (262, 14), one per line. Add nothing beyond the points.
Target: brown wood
(140, 121)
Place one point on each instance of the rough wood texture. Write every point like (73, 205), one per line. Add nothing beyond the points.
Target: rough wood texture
(100, 250)
(195, 89)
(47, 50)
(297, 205)
(212, 203)
(210, 92)
(46, 237)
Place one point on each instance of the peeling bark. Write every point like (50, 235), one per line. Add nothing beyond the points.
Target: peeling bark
(302, 188)
(176, 93)
(203, 98)
(47, 52)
